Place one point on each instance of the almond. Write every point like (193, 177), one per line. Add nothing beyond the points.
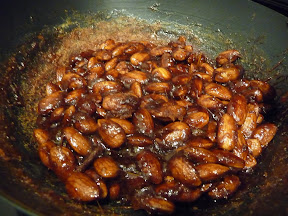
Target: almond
(224, 75)
(136, 89)
(112, 133)
(77, 141)
(160, 205)
(180, 54)
(80, 187)
(265, 133)
(150, 166)
(106, 167)
(139, 140)
(51, 102)
(41, 135)
(143, 122)
(254, 147)
(44, 153)
(160, 50)
(162, 74)
(183, 171)
(139, 57)
(196, 118)
(219, 91)
(211, 171)
(225, 188)
(62, 161)
(209, 102)
(237, 108)
(201, 155)
(226, 135)
(86, 125)
(227, 56)
(229, 159)
(127, 126)
(159, 87)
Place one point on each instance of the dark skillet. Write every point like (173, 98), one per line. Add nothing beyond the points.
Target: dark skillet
(257, 32)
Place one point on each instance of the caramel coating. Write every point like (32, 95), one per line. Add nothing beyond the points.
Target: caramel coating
(152, 125)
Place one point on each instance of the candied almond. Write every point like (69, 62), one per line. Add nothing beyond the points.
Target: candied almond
(80, 187)
(229, 159)
(150, 166)
(106, 167)
(44, 153)
(159, 51)
(139, 58)
(62, 161)
(160, 205)
(182, 170)
(197, 154)
(77, 141)
(112, 133)
(211, 171)
(228, 56)
(237, 108)
(226, 132)
(225, 188)
(127, 126)
(162, 74)
(200, 142)
(51, 102)
(41, 135)
(139, 140)
(219, 91)
(224, 75)
(197, 119)
(254, 147)
(265, 133)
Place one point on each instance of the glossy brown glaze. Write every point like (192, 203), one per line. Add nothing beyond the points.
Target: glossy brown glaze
(152, 124)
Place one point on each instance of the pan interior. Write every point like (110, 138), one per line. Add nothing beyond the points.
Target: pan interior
(27, 70)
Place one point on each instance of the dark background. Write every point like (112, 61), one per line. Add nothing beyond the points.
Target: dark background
(280, 6)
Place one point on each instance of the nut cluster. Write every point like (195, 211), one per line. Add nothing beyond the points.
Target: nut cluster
(152, 125)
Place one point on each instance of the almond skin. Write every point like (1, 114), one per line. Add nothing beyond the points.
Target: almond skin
(143, 122)
(211, 171)
(229, 159)
(265, 133)
(225, 188)
(226, 135)
(182, 170)
(218, 91)
(82, 188)
(112, 133)
(237, 108)
(62, 161)
(201, 155)
(227, 56)
(77, 141)
(160, 205)
(106, 167)
(41, 135)
(51, 102)
(150, 166)
(127, 126)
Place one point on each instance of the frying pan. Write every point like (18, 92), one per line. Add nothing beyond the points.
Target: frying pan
(259, 33)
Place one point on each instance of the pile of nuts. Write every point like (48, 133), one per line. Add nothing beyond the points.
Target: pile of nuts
(152, 125)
